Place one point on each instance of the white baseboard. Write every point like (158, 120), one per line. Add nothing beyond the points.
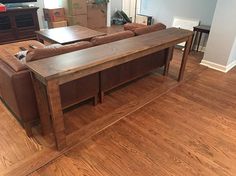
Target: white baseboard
(219, 67)
(230, 66)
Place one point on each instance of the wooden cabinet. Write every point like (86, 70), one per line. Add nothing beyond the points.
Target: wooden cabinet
(97, 15)
(18, 24)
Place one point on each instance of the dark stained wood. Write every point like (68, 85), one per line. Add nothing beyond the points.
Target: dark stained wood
(132, 70)
(15, 27)
(43, 106)
(167, 64)
(67, 35)
(54, 99)
(184, 60)
(71, 92)
(57, 70)
(105, 56)
(200, 30)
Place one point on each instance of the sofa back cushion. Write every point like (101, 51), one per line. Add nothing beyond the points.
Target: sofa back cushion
(133, 26)
(148, 29)
(42, 53)
(112, 37)
(11, 60)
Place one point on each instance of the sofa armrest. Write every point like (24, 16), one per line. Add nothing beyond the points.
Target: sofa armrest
(11, 60)
(18, 93)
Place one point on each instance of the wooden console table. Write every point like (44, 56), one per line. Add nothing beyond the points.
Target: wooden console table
(49, 74)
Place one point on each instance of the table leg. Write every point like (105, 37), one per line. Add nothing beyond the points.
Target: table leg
(101, 96)
(170, 52)
(193, 41)
(58, 124)
(184, 58)
(43, 107)
(101, 93)
(199, 40)
(95, 100)
(39, 38)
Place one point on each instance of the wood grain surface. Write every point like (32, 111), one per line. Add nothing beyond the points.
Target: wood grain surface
(61, 69)
(188, 129)
(94, 59)
(68, 34)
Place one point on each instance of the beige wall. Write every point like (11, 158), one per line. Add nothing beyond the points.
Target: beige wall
(164, 11)
(42, 22)
(232, 57)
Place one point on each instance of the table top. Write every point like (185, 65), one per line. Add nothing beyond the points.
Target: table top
(202, 27)
(107, 55)
(69, 34)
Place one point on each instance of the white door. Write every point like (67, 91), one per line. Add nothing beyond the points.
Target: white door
(131, 8)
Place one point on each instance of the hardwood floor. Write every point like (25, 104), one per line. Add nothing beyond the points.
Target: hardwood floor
(14, 143)
(152, 126)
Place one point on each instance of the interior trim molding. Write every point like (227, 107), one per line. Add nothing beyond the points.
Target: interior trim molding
(219, 67)
(230, 66)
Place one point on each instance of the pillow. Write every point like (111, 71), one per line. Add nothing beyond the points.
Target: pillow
(112, 37)
(21, 55)
(133, 26)
(11, 60)
(148, 29)
(42, 53)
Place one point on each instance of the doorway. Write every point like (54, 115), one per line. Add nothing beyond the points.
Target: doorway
(131, 8)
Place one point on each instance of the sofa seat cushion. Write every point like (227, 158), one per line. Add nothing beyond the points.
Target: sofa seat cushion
(148, 29)
(112, 37)
(11, 60)
(42, 53)
(133, 26)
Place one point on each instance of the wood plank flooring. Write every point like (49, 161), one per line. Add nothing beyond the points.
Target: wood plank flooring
(191, 130)
(14, 143)
(152, 126)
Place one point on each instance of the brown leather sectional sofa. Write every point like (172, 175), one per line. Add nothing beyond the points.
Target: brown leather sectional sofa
(16, 88)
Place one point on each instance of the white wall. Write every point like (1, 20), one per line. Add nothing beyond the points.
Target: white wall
(165, 10)
(221, 47)
(42, 22)
(232, 56)
(115, 5)
(109, 14)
